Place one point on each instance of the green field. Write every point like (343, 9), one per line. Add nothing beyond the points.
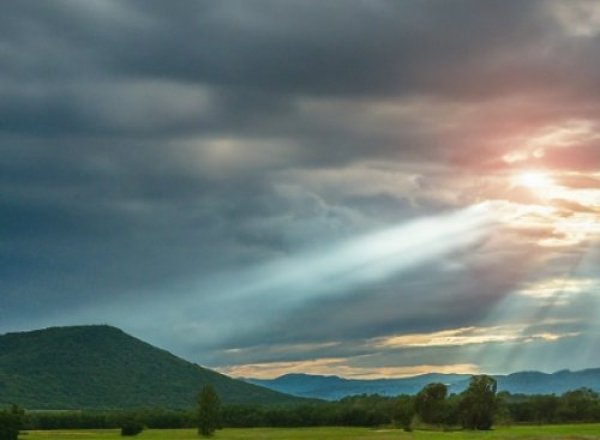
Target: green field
(554, 432)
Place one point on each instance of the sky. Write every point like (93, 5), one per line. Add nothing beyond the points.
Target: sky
(360, 188)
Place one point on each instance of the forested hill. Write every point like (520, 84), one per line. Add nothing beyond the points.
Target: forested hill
(101, 367)
(333, 387)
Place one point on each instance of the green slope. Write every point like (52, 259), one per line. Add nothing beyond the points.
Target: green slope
(101, 367)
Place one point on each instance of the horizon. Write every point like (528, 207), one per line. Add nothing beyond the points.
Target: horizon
(41, 330)
(360, 189)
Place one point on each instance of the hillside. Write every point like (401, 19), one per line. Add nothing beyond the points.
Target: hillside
(333, 387)
(101, 367)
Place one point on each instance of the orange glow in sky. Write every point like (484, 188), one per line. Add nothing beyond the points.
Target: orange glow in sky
(562, 215)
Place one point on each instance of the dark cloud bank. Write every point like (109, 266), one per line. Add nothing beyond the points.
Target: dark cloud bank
(154, 153)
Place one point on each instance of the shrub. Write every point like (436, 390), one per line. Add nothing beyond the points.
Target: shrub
(131, 427)
(11, 422)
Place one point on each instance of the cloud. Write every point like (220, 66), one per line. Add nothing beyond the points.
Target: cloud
(339, 367)
(400, 355)
(559, 288)
(157, 158)
(465, 336)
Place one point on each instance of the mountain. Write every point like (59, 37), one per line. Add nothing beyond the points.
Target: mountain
(101, 367)
(533, 382)
(334, 387)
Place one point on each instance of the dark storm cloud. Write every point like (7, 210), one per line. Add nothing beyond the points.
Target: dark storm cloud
(149, 148)
(241, 69)
(348, 47)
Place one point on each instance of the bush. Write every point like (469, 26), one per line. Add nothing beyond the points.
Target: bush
(131, 427)
(11, 422)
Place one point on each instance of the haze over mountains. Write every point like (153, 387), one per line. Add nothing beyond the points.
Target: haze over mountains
(333, 387)
(101, 367)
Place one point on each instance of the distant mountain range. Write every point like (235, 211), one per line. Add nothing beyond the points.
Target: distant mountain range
(334, 387)
(101, 367)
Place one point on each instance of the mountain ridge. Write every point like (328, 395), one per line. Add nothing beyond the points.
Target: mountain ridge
(102, 367)
(331, 387)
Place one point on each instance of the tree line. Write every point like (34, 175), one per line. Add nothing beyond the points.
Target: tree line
(478, 407)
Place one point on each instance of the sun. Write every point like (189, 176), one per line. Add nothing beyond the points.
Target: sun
(540, 184)
(534, 180)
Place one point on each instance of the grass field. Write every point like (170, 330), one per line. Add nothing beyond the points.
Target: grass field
(554, 432)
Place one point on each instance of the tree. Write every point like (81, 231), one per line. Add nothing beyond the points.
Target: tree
(479, 403)
(403, 412)
(11, 422)
(209, 411)
(430, 403)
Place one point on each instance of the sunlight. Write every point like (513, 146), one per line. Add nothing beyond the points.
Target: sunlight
(342, 268)
(568, 215)
(536, 180)
(375, 256)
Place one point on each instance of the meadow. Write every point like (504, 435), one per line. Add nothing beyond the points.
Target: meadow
(547, 432)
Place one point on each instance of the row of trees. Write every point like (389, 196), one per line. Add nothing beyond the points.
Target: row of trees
(207, 419)
(477, 408)
(581, 405)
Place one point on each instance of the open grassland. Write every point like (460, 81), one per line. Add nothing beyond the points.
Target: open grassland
(551, 432)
